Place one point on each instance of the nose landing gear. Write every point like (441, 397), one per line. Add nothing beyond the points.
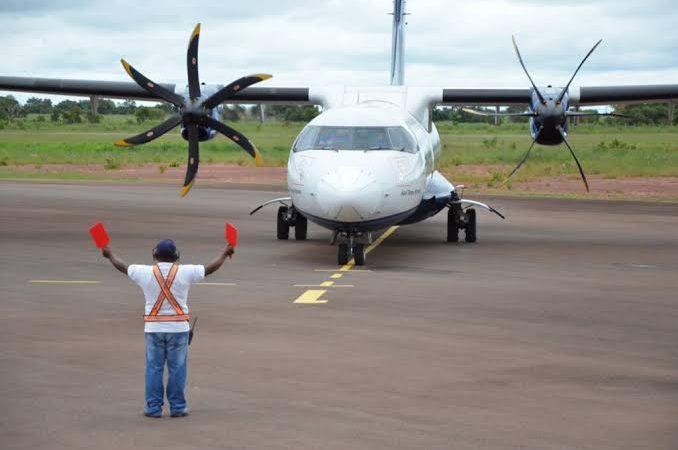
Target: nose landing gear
(351, 245)
(288, 217)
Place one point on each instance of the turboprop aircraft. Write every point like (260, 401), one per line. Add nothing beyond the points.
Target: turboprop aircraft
(368, 161)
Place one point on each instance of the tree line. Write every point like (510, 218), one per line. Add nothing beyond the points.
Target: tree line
(71, 111)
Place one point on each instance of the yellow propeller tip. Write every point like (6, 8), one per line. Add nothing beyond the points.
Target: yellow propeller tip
(127, 67)
(196, 31)
(264, 76)
(186, 188)
(122, 143)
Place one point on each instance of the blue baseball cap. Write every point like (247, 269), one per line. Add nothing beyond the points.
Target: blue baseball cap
(166, 249)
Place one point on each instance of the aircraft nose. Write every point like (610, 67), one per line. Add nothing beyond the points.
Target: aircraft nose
(350, 194)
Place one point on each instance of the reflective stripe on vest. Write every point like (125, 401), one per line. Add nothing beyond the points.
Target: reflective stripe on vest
(165, 293)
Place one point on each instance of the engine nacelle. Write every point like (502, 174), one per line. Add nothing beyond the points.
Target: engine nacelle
(204, 133)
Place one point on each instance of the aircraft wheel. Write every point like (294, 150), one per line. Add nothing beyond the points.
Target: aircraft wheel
(471, 225)
(343, 254)
(283, 229)
(359, 254)
(453, 224)
(300, 228)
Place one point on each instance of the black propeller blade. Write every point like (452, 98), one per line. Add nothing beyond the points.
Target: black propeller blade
(193, 157)
(520, 58)
(522, 160)
(581, 171)
(236, 137)
(489, 114)
(233, 88)
(194, 114)
(153, 133)
(192, 64)
(567, 86)
(594, 114)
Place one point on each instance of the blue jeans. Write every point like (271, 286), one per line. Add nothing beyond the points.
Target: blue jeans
(170, 348)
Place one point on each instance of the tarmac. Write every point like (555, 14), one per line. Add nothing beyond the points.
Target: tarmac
(558, 329)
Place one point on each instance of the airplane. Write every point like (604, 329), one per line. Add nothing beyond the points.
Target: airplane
(368, 160)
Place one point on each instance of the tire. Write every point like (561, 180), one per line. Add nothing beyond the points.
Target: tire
(359, 255)
(343, 254)
(453, 224)
(300, 228)
(283, 229)
(471, 225)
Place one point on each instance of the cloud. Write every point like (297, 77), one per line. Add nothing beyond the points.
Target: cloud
(310, 42)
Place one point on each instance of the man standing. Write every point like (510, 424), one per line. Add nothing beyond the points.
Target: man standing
(165, 285)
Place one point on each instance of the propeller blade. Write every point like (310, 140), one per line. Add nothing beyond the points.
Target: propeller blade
(192, 64)
(581, 171)
(193, 158)
(584, 114)
(153, 133)
(562, 93)
(489, 114)
(236, 137)
(520, 58)
(238, 85)
(524, 158)
(152, 87)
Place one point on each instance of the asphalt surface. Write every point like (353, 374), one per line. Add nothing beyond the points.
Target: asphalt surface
(558, 329)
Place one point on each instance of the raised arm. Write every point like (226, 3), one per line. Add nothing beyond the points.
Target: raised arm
(214, 265)
(117, 262)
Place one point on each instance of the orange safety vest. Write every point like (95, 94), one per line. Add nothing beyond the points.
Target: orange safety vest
(165, 293)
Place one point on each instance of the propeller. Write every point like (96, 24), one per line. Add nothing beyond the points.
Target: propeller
(551, 115)
(194, 111)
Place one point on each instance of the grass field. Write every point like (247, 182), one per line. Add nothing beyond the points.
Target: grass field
(611, 151)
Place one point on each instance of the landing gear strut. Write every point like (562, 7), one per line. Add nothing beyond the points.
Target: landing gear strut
(289, 217)
(352, 245)
(458, 219)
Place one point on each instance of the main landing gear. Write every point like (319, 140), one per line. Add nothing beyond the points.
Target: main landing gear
(289, 217)
(351, 245)
(458, 219)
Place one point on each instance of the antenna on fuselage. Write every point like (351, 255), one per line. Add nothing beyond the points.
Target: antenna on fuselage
(398, 44)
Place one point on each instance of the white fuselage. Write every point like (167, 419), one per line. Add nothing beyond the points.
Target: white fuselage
(368, 186)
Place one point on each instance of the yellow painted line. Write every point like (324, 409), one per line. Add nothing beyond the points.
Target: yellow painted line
(65, 281)
(325, 285)
(216, 284)
(334, 270)
(312, 296)
(381, 238)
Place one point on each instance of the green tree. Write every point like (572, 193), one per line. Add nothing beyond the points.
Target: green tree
(36, 105)
(144, 113)
(10, 108)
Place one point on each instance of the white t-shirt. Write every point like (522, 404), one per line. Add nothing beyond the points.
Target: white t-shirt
(186, 276)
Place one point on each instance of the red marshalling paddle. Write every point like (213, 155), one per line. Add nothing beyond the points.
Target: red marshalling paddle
(231, 234)
(99, 234)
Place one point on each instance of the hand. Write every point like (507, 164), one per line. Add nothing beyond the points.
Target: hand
(229, 251)
(106, 252)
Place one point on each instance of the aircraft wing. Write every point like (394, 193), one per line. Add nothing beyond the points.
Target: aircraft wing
(594, 95)
(130, 90)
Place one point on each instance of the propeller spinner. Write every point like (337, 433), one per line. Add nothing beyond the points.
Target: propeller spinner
(194, 112)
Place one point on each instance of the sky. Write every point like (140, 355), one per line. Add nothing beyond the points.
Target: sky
(449, 43)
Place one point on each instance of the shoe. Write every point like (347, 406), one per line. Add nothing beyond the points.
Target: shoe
(182, 413)
(155, 415)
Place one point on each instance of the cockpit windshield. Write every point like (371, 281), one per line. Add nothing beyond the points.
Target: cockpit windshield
(355, 138)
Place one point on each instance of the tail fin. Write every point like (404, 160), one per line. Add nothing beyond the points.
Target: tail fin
(398, 44)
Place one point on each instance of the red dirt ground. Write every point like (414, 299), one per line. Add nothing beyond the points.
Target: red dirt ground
(657, 188)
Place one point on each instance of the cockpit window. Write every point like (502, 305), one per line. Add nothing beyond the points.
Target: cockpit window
(355, 138)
